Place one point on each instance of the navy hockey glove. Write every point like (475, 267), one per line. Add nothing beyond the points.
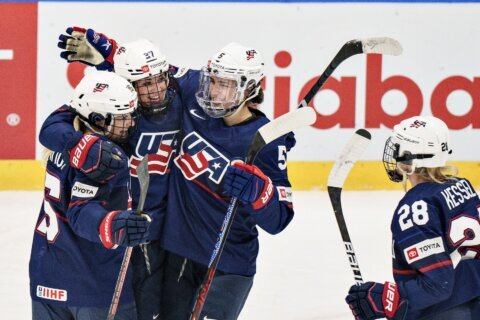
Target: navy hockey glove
(249, 184)
(124, 228)
(99, 159)
(89, 47)
(373, 300)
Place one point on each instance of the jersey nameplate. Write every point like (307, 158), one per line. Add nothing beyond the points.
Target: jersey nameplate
(456, 194)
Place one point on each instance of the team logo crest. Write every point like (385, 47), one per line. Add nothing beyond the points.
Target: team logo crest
(418, 124)
(99, 87)
(159, 147)
(251, 54)
(145, 68)
(197, 157)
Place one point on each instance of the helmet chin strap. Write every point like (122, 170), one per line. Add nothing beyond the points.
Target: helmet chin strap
(94, 129)
(252, 95)
(236, 108)
(405, 175)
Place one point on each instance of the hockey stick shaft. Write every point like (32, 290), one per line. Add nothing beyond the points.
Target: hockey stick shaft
(143, 180)
(350, 154)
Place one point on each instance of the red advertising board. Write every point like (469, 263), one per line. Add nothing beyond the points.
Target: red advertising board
(18, 73)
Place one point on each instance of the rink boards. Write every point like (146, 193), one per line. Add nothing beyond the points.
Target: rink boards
(438, 73)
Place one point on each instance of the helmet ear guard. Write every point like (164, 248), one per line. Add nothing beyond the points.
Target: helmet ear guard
(94, 118)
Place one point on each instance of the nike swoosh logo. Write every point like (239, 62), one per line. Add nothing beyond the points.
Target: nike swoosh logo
(156, 316)
(194, 113)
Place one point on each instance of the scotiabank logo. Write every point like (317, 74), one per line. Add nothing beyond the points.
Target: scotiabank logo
(377, 85)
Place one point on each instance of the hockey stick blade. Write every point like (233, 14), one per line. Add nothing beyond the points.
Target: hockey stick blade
(350, 154)
(276, 128)
(143, 180)
(380, 45)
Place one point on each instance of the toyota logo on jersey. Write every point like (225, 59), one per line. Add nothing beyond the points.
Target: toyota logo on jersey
(159, 146)
(197, 156)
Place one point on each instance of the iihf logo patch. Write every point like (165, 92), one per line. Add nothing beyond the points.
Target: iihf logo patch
(51, 293)
(251, 54)
(418, 124)
(99, 87)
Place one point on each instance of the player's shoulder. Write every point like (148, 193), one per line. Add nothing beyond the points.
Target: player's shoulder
(185, 81)
(179, 72)
(183, 75)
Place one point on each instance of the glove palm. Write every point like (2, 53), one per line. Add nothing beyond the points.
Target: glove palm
(89, 47)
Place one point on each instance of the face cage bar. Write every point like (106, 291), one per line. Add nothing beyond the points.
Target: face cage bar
(155, 106)
(391, 158)
(109, 130)
(390, 152)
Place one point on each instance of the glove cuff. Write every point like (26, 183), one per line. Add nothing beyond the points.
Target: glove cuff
(390, 299)
(105, 230)
(109, 58)
(267, 191)
(79, 153)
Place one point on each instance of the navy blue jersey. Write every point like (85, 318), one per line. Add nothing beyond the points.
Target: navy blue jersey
(155, 135)
(68, 265)
(436, 238)
(196, 205)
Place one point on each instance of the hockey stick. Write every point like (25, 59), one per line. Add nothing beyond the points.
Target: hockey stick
(345, 162)
(266, 134)
(143, 179)
(353, 47)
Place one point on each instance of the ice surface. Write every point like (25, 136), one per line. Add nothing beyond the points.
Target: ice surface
(303, 272)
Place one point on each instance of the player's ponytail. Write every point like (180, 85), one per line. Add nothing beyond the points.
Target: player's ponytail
(439, 174)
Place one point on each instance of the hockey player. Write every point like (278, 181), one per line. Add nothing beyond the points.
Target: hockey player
(436, 233)
(157, 128)
(217, 128)
(75, 261)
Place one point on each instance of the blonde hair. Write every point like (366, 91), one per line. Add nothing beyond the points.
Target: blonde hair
(46, 153)
(439, 174)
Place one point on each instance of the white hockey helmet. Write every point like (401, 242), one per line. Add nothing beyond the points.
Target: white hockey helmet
(139, 60)
(146, 67)
(420, 141)
(241, 70)
(100, 98)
